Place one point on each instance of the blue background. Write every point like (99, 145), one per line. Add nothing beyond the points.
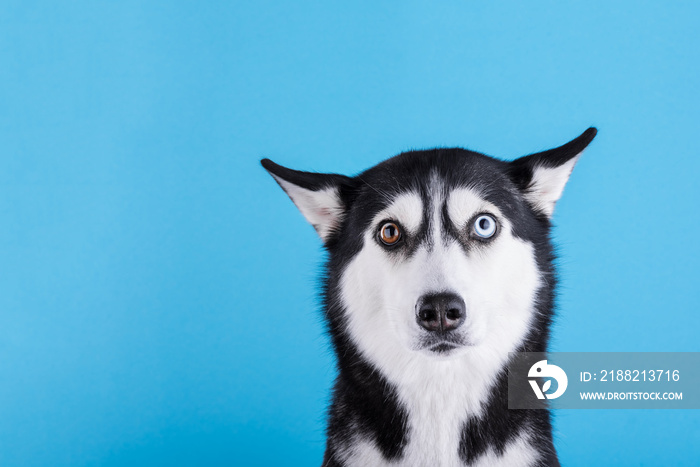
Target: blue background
(157, 294)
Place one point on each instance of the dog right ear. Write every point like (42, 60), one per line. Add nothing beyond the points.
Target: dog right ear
(317, 195)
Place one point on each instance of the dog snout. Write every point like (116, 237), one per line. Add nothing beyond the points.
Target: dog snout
(440, 312)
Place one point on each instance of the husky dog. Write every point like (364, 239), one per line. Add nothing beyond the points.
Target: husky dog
(439, 264)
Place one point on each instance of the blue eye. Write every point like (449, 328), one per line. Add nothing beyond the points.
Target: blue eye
(485, 226)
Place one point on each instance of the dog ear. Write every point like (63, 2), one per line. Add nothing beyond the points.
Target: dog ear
(542, 176)
(318, 196)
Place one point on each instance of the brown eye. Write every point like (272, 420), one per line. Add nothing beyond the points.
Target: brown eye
(389, 233)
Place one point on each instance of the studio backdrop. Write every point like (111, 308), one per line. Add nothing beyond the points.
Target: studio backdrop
(158, 295)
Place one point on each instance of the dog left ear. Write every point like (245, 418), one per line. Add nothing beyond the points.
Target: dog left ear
(318, 196)
(542, 176)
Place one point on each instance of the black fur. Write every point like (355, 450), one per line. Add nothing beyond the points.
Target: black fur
(364, 402)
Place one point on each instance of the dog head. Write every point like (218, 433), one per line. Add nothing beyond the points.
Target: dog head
(435, 252)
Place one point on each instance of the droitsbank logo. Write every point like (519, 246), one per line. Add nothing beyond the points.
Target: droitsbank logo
(542, 370)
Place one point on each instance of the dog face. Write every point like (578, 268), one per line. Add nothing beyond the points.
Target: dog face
(433, 253)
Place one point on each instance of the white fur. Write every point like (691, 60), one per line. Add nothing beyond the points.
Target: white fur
(498, 283)
(518, 452)
(463, 203)
(407, 208)
(322, 208)
(547, 185)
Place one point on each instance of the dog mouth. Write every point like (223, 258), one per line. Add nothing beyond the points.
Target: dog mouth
(443, 347)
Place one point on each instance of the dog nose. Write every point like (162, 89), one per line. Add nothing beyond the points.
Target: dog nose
(441, 312)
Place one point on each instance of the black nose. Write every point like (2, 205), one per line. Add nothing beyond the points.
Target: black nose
(440, 312)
